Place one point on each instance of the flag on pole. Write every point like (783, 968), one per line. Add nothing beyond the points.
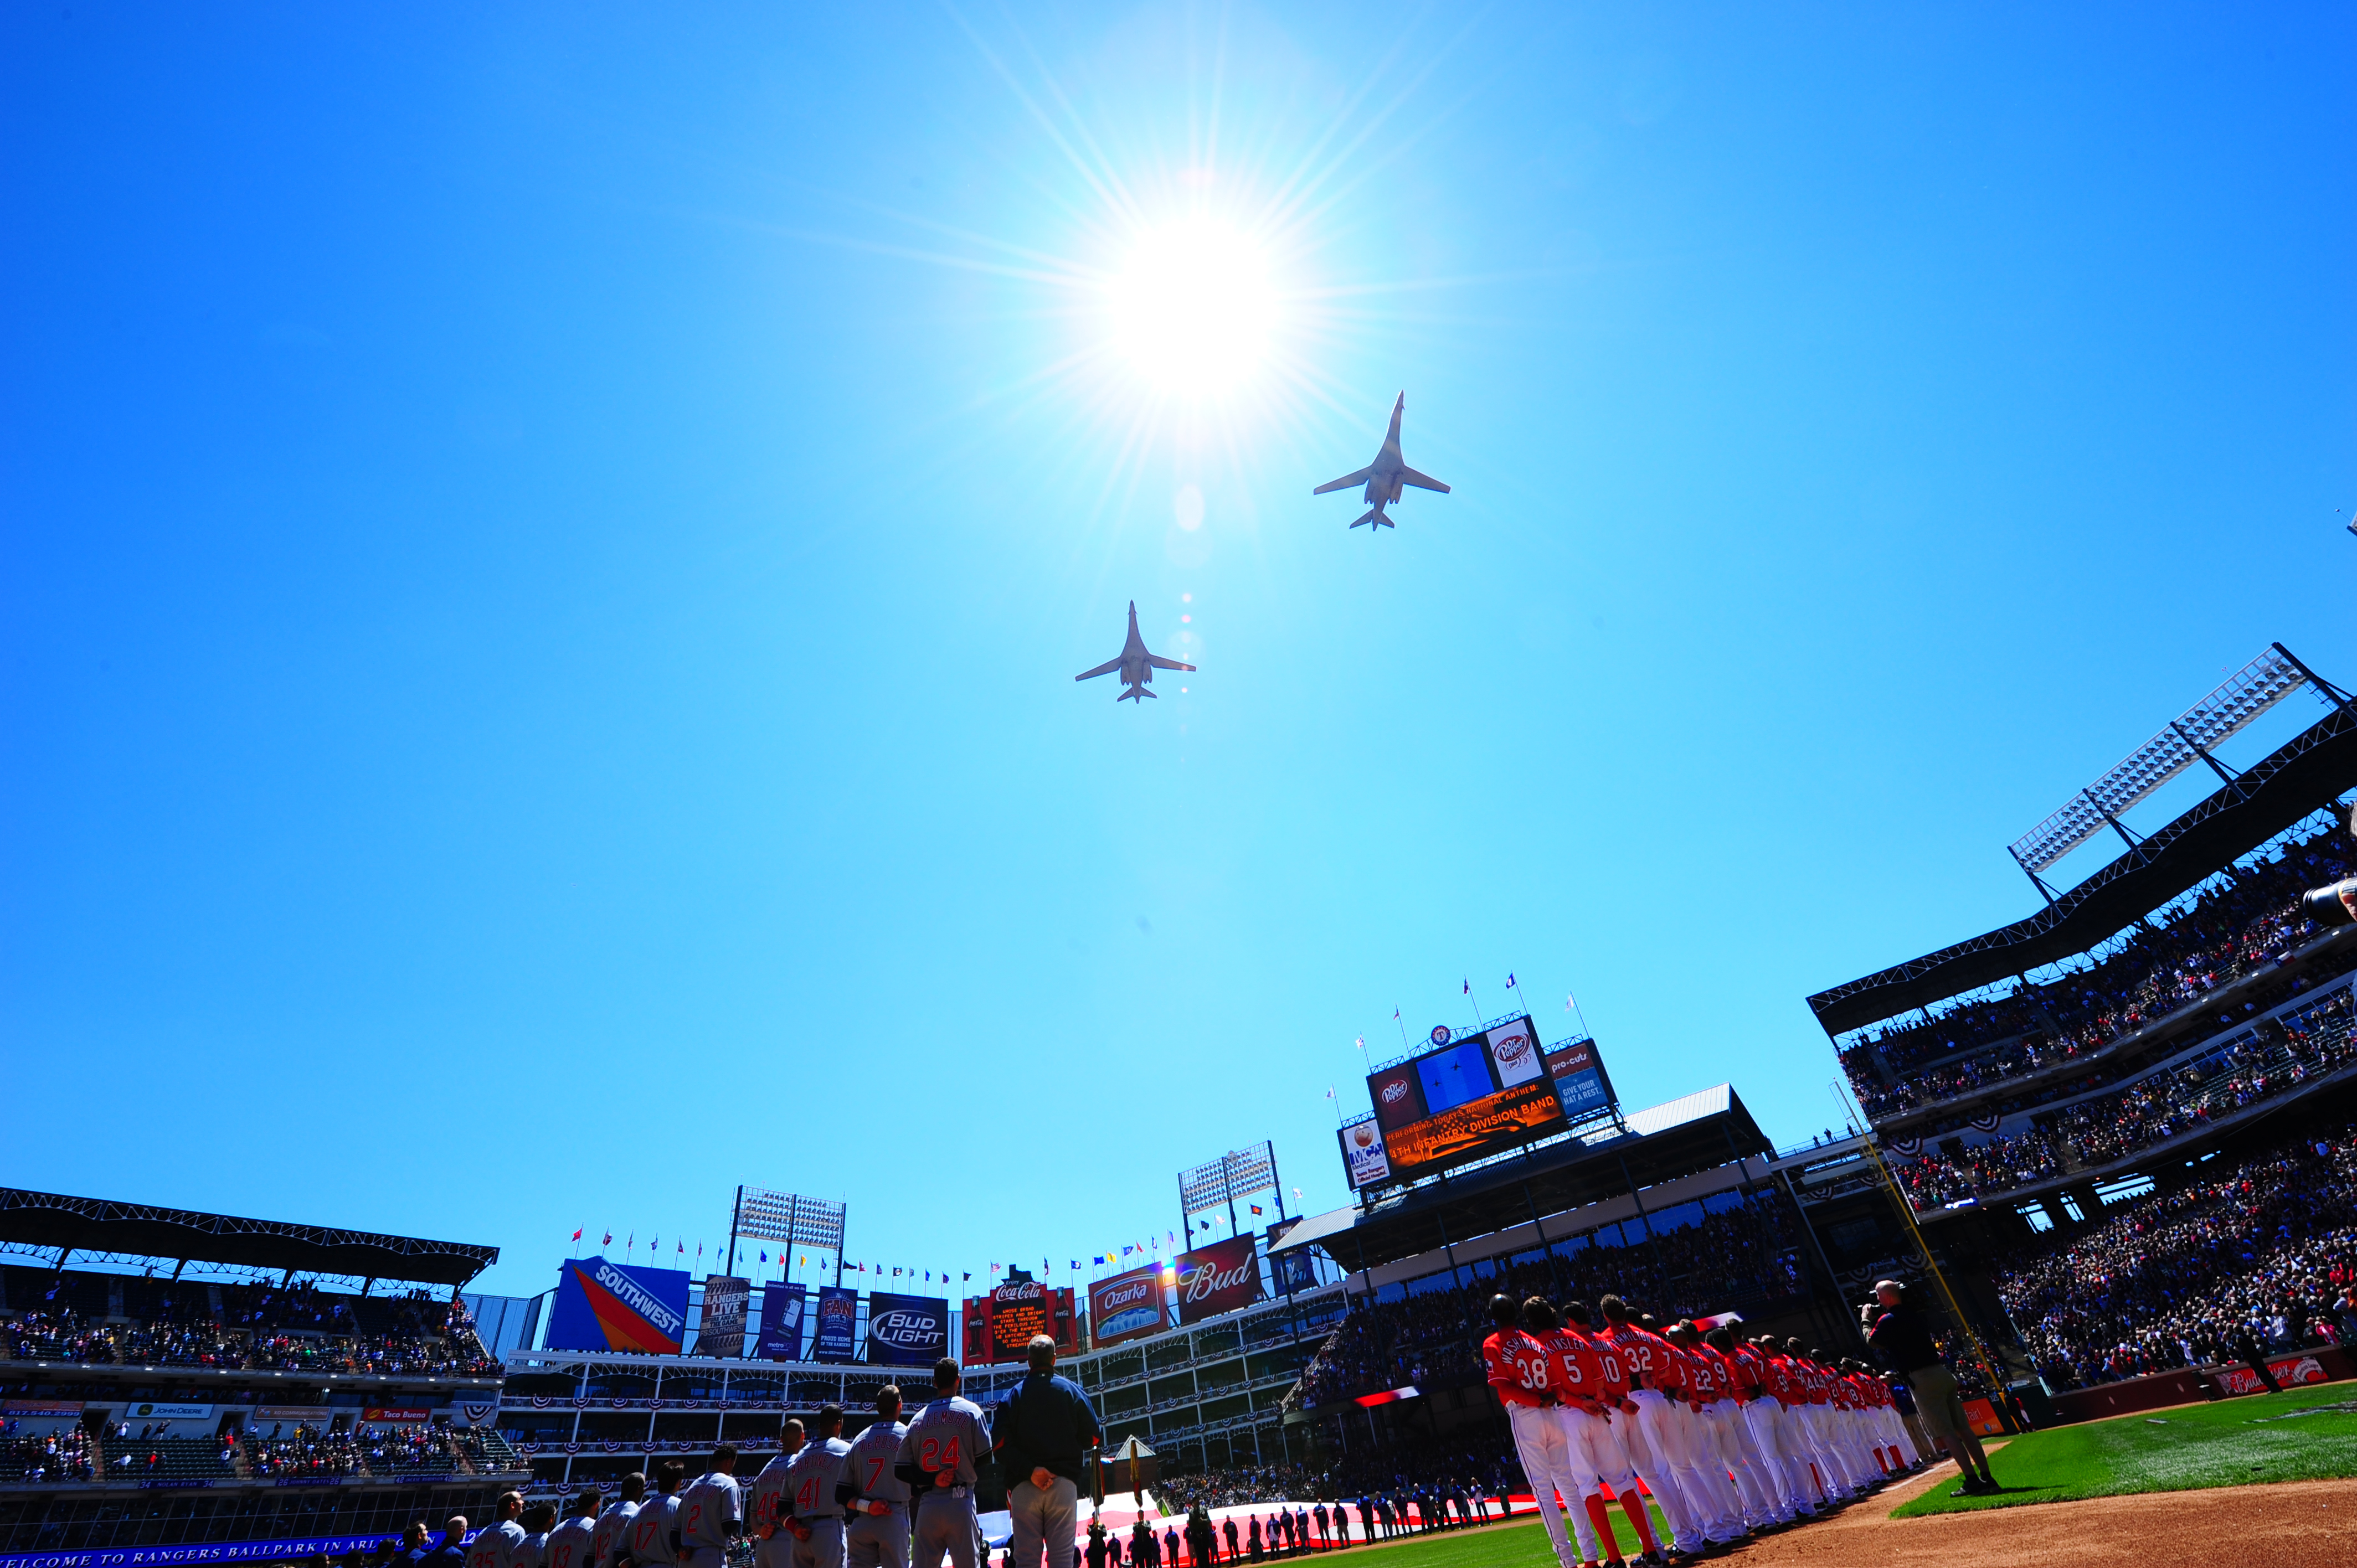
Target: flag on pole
(609, 1241)
(1570, 1002)
(1509, 979)
(1468, 987)
(577, 1235)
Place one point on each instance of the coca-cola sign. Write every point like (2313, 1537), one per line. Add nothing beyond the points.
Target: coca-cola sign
(1126, 1307)
(1218, 1278)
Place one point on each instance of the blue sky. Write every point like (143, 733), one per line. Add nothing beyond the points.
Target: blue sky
(545, 550)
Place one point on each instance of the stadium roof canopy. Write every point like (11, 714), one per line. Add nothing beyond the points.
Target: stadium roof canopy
(2298, 777)
(1695, 1133)
(46, 1219)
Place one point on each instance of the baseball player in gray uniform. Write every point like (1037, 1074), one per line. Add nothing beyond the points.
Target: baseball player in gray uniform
(498, 1544)
(773, 1545)
(938, 1457)
(568, 1543)
(877, 1536)
(653, 1538)
(711, 1512)
(819, 1481)
(614, 1525)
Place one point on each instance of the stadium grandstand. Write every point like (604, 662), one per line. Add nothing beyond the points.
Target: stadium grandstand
(179, 1380)
(2122, 1124)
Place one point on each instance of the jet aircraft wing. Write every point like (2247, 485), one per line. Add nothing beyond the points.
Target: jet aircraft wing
(1161, 663)
(1107, 668)
(1423, 481)
(1346, 481)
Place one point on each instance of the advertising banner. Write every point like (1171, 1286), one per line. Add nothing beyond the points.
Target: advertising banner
(1459, 1102)
(606, 1305)
(907, 1330)
(1296, 1271)
(395, 1415)
(1127, 1307)
(720, 1327)
(975, 1318)
(143, 1411)
(1017, 1311)
(782, 1322)
(1579, 1080)
(1066, 1309)
(264, 1415)
(838, 1319)
(1362, 1155)
(2289, 1371)
(1218, 1278)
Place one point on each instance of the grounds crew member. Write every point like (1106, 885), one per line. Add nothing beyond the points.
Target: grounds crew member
(1044, 1426)
(938, 1458)
(816, 1485)
(771, 1506)
(1903, 1342)
(877, 1535)
(613, 1527)
(711, 1512)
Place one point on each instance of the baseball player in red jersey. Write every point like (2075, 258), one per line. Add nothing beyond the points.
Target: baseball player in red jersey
(1840, 1484)
(1595, 1423)
(1517, 1367)
(1652, 1446)
(1677, 1438)
(1743, 1388)
(1722, 1423)
(1572, 1379)
(1780, 1395)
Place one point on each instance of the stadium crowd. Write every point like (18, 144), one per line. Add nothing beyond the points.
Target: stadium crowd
(439, 1343)
(1432, 1338)
(2274, 1057)
(2243, 925)
(46, 1457)
(2262, 1256)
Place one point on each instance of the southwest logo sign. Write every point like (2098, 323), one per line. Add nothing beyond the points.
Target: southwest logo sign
(603, 1306)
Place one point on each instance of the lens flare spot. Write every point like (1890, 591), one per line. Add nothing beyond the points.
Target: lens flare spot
(1193, 306)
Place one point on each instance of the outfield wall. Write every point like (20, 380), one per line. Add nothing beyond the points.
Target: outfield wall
(2192, 1385)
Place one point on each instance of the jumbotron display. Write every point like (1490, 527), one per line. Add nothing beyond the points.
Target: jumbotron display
(1469, 1098)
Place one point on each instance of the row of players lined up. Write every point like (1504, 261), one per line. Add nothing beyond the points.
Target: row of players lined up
(900, 1492)
(1732, 1439)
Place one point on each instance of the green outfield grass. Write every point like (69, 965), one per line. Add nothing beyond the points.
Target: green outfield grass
(2302, 1435)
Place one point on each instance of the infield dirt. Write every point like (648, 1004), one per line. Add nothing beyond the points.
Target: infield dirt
(2288, 1521)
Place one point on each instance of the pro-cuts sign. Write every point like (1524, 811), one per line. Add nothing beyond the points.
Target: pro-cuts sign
(606, 1305)
(1126, 1307)
(1218, 1278)
(907, 1330)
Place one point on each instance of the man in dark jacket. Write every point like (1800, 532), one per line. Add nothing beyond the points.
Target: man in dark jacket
(1043, 1430)
(1903, 1341)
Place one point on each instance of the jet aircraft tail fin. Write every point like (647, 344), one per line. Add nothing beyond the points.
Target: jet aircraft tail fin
(1132, 693)
(1377, 518)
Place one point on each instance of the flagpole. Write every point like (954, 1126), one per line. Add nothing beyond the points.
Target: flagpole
(1402, 1029)
(1477, 1004)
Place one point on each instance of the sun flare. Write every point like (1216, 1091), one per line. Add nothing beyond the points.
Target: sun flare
(1194, 307)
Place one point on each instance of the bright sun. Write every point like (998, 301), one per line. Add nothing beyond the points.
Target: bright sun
(1194, 307)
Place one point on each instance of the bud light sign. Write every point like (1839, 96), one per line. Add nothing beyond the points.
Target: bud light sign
(1218, 1278)
(838, 1316)
(907, 1330)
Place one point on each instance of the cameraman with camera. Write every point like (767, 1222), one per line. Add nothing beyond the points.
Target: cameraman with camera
(1903, 1341)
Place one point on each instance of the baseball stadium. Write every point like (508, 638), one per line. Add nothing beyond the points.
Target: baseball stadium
(2111, 1149)
(1177, 784)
